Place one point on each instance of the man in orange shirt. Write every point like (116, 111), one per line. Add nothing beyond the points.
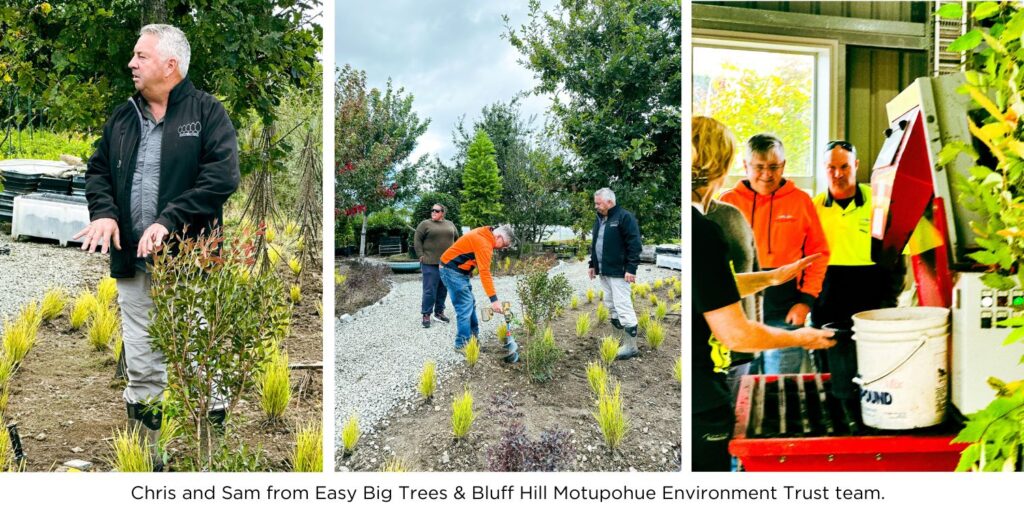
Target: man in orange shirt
(786, 229)
(472, 250)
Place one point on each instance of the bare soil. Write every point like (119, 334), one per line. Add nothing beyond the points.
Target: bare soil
(365, 284)
(67, 402)
(420, 434)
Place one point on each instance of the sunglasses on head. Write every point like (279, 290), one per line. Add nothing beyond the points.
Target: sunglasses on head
(841, 143)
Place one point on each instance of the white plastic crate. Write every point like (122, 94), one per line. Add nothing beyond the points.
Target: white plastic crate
(52, 216)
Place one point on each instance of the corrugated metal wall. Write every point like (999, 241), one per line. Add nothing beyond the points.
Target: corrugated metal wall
(873, 76)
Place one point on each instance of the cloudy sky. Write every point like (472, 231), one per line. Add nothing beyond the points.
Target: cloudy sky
(448, 53)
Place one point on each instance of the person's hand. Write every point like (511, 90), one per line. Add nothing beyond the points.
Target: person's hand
(99, 234)
(496, 307)
(798, 314)
(630, 278)
(815, 339)
(590, 272)
(421, 259)
(151, 240)
(790, 271)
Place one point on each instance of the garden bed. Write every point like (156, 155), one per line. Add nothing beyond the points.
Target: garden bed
(67, 402)
(420, 433)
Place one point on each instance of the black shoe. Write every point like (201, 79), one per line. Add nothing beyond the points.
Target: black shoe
(426, 321)
(616, 323)
(441, 317)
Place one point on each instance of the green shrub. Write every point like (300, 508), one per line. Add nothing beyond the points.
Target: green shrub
(541, 295)
(541, 356)
(597, 377)
(611, 419)
(608, 350)
(274, 386)
(462, 414)
(582, 324)
(44, 145)
(574, 302)
(472, 351)
(428, 380)
(350, 434)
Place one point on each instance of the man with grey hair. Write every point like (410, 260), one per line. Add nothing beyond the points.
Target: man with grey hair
(786, 229)
(615, 255)
(474, 250)
(166, 163)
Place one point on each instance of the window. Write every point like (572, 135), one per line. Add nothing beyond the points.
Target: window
(757, 86)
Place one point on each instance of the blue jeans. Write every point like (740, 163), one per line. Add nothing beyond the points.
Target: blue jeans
(434, 291)
(464, 303)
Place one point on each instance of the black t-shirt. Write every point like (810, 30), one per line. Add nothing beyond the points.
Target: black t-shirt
(714, 287)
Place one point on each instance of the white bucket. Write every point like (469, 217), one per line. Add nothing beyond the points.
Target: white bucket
(902, 366)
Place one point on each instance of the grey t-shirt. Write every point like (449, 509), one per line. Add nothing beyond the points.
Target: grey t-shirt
(599, 243)
(146, 180)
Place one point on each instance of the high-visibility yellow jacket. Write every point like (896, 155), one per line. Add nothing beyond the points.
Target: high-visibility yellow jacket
(848, 230)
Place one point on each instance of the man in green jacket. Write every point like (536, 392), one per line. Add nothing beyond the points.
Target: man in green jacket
(434, 236)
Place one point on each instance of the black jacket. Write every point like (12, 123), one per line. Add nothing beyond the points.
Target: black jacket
(621, 244)
(198, 168)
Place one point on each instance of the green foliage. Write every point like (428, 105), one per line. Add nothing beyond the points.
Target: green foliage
(655, 334)
(541, 356)
(5, 396)
(106, 291)
(395, 465)
(19, 335)
(427, 200)
(376, 133)
(501, 332)
(462, 414)
(472, 351)
(274, 386)
(130, 452)
(6, 451)
(428, 380)
(6, 368)
(590, 295)
(611, 419)
(677, 370)
(45, 145)
(597, 377)
(53, 304)
(608, 350)
(602, 313)
(350, 434)
(73, 59)
(574, 302)
(202, 320)
(85, 306)
(541, 295)
(308, 456)
(660, 310)
(582, 324)
(481, 184)
(615, 72)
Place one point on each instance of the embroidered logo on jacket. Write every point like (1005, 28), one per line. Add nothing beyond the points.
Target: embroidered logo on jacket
(190, 129)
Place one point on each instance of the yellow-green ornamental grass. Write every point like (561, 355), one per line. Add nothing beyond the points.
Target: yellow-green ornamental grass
(472, 351)
(462, 414)
(350, 434)
(19, 336)
(590, 295)
(395, 465)
(428, 380)
(602, 313)
(670, 294)
(655, 335)
(5, 396)
(309, 449)
(653, 299)
(600, 295)
(502, 332)
(574, 302)
(295, 294)
(131, 454)
(339, 278)
(105, 325)
(6, 451)
(677, 370)
(582, 324)
(643, 319)
(295, 266)
(53, 304)
(597, 377)
(677, 287)
(611, 420)
(658, 283)
(85, 306)
(274, 386)
(660, 310)
(6, 370)
(106, 291)
(608, 350)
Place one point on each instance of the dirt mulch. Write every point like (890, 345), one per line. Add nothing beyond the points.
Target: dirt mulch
(421, 436)
(365, 284)
(67, 402)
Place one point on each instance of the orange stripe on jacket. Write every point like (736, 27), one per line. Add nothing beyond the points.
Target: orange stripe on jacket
(474, 249)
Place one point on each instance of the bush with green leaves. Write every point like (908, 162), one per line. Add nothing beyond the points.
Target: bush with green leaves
(542, 294)
(541, 356)
(216, 318)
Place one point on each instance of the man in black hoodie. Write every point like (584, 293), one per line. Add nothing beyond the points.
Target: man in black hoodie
(614, 255)
(165, 165)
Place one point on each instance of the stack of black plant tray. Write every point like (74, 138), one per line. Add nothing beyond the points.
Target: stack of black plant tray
(15, 183)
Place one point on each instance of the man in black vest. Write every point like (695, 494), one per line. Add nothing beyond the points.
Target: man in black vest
(167, 160)
(614, 255)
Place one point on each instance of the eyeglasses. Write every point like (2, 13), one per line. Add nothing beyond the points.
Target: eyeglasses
(841, 143)
(436, 211)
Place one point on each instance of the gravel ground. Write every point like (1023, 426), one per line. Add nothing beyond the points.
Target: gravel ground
(380, 353)
(35, 266)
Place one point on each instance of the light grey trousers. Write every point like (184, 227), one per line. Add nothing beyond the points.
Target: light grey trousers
(618, 298)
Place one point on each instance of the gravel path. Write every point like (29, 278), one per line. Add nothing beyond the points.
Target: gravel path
(33, 267)
(380, 353)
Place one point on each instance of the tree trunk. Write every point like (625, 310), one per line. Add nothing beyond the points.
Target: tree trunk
(362, 239)
(154, 11)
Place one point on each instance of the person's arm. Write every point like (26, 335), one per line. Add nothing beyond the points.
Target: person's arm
(633, 245)
(750, 283)
(735, 331)
(484, 252)
(421, 234)
(218, 176)
(593, 244)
